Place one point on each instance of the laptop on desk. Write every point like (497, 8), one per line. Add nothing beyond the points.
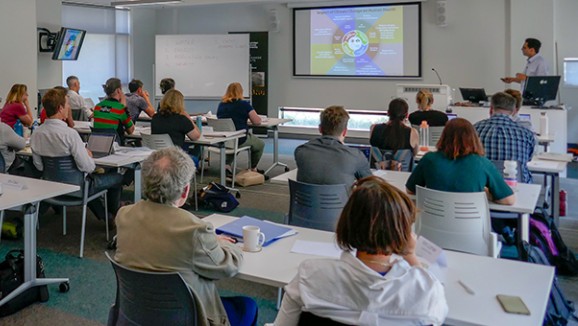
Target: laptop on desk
(474, 95)
(101, 145)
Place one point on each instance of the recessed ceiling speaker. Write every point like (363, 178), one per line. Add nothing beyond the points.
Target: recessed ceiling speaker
(441, 13)
(274, 21)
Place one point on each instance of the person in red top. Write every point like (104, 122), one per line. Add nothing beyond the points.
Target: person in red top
(17, 107)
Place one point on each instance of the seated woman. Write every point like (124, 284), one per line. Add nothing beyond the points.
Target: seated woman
(233, 107)
(172, 119)
(395, 135)
(434, 118)
(368, 282)
(459, 165)
(17, 107)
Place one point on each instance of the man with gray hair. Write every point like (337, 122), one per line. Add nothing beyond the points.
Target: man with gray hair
(156, 235)
(503, 138)
(76, 101)
(326, 160)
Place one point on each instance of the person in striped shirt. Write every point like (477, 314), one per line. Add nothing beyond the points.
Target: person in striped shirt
(111, 113)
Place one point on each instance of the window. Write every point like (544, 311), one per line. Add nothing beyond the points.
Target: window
(105, 51)
(571, 72)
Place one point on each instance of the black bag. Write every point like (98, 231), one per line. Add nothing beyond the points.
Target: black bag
(12, 275)
(23, 166)
(558, 310)
(545, 235)
(217, 197)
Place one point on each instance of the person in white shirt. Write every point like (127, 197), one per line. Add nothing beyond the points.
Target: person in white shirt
(10, 142)
(535, 66)
(75, 100)
(378, 280)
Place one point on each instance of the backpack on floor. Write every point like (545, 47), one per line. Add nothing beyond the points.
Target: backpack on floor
(545, 235)
(12, 275)
(558, 310)
(217, 197)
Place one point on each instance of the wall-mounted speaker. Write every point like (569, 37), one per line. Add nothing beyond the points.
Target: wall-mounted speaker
(441, 13)
(274, 21)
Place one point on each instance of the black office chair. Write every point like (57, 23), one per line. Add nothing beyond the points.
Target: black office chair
(316, 206)
(63, 169)
(151, 298)
(79, 115)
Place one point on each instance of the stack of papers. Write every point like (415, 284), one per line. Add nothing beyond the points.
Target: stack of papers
(562, 157)
(222, 133)
(271, 230)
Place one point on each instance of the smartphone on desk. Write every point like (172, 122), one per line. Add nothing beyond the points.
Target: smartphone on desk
(513, 304)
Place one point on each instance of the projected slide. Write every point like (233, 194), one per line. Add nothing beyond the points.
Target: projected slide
(357, 41)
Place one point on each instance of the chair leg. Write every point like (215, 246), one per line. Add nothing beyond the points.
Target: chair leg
(63, 220)
(82, 230)
(106, 214)
(1, 222)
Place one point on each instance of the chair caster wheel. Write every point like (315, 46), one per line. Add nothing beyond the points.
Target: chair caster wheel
(286, 169)
(64, 287)
(238, 195)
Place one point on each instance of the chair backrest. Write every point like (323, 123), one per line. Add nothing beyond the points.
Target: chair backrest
(306, 318)
(151, 298)
(79, 115)
(316, 206)
(157, 141)
(2, 164)
(455, 221)
(63, 169)
(434, 135)
(404, 156)
(223, 125)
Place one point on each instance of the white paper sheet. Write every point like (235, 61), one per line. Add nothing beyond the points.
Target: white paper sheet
(322, 249)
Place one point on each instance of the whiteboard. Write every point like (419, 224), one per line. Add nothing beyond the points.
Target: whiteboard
(203, 65)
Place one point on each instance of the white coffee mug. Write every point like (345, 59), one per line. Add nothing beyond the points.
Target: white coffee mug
(253, 238)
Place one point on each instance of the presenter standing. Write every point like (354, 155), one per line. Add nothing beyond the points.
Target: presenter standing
(535, 65)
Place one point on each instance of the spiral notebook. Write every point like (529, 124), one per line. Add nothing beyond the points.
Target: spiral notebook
(272, 231)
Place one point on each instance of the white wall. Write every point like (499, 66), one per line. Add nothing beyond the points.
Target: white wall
(48, 15)
(18, 58)
(143, 30)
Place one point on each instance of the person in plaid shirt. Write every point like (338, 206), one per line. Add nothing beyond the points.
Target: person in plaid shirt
(503, 138)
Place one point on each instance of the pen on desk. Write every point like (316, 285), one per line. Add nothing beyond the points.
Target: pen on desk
(467, 288)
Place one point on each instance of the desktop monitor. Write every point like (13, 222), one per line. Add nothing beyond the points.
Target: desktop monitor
(540, 89)
(69, 44)
(474, 95)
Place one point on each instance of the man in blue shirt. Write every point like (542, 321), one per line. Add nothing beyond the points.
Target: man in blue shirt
(535, 66)
(503, 138)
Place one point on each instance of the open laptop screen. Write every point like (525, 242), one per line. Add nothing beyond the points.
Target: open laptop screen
(101, 144)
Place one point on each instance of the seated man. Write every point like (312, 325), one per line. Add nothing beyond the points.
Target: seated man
(111, 113)
(54, 138)
(503, 138)
(326, 160)
(182, 241)
(77, 102)
(138, 100)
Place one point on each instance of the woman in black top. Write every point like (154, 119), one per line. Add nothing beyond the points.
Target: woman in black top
(395, 135)
(434, 118)
(173, 120)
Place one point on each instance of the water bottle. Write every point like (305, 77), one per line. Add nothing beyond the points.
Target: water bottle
(19, 128)
(424, 136)
(34, 126)
(543, 124)
(200, 123)
(511, 173)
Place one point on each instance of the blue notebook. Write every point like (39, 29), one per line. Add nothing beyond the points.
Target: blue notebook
(271, 230)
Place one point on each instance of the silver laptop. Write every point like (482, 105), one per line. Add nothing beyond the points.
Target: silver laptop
(101, 144)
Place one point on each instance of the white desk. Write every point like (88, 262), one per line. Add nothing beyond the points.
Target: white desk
(526, 195)
(35, 190)
(273, 124)
(551, 169)
(276, 266)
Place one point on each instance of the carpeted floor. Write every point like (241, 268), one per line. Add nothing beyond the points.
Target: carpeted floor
(92, 280)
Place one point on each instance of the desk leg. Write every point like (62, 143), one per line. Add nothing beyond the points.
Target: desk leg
(276, 152)
(137, 183)
(555, 200)
(30, 257)
(525, 226)
(223, 158)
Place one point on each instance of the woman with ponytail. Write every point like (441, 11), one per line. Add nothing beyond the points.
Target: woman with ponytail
(434, 118)
(395, 135)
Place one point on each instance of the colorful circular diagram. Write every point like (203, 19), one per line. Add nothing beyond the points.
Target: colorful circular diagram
(355, 43)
